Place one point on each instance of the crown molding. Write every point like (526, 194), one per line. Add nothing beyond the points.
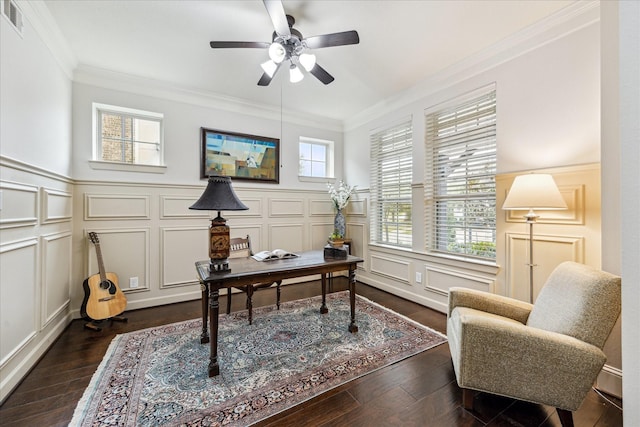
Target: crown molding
(113, 80)
(561, 24)
(41, 20)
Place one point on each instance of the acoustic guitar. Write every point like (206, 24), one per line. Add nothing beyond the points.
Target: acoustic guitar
(103, 298)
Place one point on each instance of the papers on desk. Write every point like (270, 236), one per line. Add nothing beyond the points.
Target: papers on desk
(274, 254)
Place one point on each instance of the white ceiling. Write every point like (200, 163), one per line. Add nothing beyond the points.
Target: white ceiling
(401, 44)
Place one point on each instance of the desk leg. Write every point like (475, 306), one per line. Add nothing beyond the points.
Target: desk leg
(204, 337)
(352, 298)
(214, 368)
(323, 308)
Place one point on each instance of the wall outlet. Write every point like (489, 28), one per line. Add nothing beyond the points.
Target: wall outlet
(418, 277)
(133, 282)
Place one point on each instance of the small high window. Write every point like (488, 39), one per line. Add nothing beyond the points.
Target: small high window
(125, 135)
(316, 158)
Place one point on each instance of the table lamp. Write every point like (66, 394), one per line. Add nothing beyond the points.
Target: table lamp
(219, 196)
(529, 192)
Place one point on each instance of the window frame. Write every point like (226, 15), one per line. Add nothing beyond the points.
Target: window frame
(476, 191)
(393, 143)
(329, 158)
(98, 162)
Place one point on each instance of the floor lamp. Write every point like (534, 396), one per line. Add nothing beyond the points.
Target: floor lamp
(529, 192)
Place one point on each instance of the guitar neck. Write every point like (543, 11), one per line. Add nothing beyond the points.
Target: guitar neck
(103, 274)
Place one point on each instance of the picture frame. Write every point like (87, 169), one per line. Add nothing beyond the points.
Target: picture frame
(239, 156)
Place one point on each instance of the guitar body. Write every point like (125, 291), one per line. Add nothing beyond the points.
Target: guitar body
(102, 300)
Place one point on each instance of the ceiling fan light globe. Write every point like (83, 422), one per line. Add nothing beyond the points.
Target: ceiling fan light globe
(308, 61)
(295, 75)
(277, 52)
(269, 67)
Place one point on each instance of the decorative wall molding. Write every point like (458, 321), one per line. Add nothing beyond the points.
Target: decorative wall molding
(57, 205)
(357, 208)
(548, 252)
(440, 280)
(125, 251)
(393, 268)
(20, 205)
(321, 207)
(286, 207)
(56, 275)
(254, 211)
(18, 263)
(129, 206)
(180, 248)
(173, 206)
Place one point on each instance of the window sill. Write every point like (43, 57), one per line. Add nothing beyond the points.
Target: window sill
(315, 179)
(126, 167)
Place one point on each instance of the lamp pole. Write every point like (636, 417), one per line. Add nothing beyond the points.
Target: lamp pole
(531, 219)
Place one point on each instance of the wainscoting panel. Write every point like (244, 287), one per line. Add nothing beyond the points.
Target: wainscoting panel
(548, 253)
(18, 296)
(321, 207)
(393, 268)
(125, 252)
(359, 236)
(173, 206)
(181, 247)
(19, 205)
(286, 207)
(320, 232)
(116, 206)
(56, 275)
(290, 237)
(357, 208)
(440, 280)
(57, 206)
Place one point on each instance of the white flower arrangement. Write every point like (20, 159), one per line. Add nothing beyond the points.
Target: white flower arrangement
(340, 195)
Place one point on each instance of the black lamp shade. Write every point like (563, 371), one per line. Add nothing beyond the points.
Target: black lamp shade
(219, 196)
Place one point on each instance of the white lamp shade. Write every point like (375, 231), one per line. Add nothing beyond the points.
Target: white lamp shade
(277, 52)
(269, 67)
(308, 61)
(295, 75)
(534, 191)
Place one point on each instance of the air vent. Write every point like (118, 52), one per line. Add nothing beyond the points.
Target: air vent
(13, 13)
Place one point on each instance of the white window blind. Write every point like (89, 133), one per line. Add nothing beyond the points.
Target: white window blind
(391, 174)
(460, 169)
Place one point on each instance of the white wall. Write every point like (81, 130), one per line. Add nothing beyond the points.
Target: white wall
(36, 194)
(183, 118)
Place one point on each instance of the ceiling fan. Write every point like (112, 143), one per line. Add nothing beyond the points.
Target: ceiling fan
(288, 45)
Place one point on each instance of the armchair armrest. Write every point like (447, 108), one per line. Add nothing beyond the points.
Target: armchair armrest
(490, 303)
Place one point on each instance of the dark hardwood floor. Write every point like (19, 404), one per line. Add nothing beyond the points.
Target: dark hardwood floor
(419, 391)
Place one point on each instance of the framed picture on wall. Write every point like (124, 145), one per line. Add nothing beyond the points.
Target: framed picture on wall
(239, 156)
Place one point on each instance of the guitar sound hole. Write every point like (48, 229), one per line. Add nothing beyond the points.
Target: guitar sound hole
(108, 284)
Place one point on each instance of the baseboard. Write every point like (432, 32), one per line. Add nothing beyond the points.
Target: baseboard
(610, 381)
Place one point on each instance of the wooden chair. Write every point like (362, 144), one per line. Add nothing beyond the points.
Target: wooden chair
(241, 248)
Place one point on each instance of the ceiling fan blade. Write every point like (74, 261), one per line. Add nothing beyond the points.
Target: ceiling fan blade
(225, 45)
(266, 79)
(278, 17)
(334, 39)
(321, 74)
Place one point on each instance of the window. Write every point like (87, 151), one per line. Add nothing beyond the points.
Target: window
(391, 161)
(316, 158)
(125, 135)
(460, 169)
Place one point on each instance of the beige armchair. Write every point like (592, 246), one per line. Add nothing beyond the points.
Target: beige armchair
(549, 352)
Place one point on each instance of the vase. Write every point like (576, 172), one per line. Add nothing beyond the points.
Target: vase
(339, 223)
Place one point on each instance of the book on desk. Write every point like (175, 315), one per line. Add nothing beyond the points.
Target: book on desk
(274, 255)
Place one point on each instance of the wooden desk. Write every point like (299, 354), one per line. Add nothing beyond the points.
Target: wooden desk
(246, 271)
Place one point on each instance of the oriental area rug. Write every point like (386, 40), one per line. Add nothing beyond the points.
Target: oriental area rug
(158, 376)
